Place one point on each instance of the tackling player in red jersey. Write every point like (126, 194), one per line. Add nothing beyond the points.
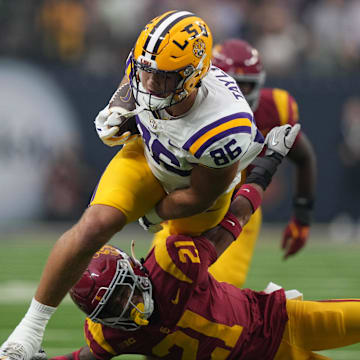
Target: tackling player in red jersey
(169, 306)
(271, 107)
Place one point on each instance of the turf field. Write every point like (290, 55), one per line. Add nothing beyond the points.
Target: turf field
(323, 270)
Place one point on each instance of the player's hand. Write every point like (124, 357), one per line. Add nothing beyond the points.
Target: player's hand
(280, 139)
(295, 237)
(106, 124)
(147, 225)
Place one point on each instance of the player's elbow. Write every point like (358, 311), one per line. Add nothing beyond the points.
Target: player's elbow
(201, 204)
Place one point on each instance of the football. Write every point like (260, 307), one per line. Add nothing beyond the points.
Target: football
(123, 100)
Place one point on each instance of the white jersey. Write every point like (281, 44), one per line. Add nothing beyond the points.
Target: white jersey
(216, 132)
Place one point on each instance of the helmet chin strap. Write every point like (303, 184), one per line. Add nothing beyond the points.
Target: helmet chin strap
(137, 315)
(132, 250)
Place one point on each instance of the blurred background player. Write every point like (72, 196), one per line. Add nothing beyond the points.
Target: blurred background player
(272, 107)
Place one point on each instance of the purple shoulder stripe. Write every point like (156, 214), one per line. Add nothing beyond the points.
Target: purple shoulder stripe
(216, 123)
(259, 137)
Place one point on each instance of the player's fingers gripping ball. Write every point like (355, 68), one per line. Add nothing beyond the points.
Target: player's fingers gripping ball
(116, 124)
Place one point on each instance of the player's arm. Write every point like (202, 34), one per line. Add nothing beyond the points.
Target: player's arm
(206, 185)
(296, 233)
(249, 196)
(239, 214)
(83, 353)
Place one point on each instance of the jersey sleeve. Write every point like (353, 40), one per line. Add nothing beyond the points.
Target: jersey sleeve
(185, 258)
(95, 339)
(225, 141)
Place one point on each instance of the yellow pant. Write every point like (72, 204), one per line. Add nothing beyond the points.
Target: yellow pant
(319, 325)
(129, 185)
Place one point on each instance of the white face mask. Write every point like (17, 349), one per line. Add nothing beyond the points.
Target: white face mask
(149, 101)
(132, 315)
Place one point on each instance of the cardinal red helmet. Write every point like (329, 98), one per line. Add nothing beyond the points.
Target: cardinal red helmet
(108, 274)
(241, 61)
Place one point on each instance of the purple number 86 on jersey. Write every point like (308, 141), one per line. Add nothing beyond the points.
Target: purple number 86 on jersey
(221, 156)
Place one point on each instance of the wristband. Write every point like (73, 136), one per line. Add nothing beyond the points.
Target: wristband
(264, 167)
(303, 210)
(251, 193)
(231, 224)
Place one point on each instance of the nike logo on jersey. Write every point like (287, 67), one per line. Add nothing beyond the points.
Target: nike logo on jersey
(247, 190)
(176, 300)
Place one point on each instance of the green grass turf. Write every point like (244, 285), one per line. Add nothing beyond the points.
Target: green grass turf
(322, 270)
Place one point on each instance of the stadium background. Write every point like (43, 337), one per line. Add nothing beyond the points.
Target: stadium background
(60, 61)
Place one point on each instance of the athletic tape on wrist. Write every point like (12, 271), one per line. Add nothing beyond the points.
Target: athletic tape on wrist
(231, 224)
(251, 193)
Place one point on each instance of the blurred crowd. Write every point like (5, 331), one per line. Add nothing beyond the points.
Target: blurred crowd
(321, 36)
(83, 45)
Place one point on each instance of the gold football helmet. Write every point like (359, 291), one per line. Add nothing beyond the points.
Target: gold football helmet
(175, 48)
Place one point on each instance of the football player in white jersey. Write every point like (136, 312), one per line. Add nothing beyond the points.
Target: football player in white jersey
(197, 134)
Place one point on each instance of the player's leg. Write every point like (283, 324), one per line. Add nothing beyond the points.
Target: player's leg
(321, 325)
(233, 265)
(287, 351)
(128, 183)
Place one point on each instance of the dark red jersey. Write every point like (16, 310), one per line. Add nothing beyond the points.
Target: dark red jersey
(276, 107)
(196, 317)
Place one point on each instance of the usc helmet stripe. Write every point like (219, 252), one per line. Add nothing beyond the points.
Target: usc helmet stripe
(159, 31)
